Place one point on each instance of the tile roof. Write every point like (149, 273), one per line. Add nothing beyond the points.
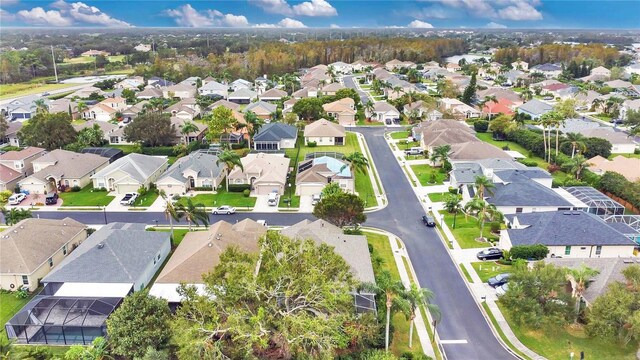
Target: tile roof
(536, 107)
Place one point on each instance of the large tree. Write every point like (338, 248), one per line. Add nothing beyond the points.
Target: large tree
(342, 209)
(470, 91)
(230, 159)
(219, 122)
(151, 129)
(309, 108)
(4, 125)
(260, 305)
(50, 131)
(140, 322)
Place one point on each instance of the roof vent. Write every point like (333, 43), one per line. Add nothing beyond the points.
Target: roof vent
(567, 213)
(210, 244)
(100, 245)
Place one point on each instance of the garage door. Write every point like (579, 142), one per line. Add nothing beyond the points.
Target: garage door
(265, 189)
(127, 188)
(33, 188)
(308, 190)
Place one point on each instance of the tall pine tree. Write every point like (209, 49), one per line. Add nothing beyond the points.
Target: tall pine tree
(470, 91)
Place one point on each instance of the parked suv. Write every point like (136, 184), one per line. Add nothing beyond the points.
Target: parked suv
(428, 220)
(490, 254)
(51, 199)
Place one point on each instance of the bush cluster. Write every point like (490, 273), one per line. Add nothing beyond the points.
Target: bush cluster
(529, 252)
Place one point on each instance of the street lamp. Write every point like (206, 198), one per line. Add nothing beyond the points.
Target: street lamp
(104, 211)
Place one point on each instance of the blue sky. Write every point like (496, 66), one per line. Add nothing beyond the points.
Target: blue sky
(523, 14)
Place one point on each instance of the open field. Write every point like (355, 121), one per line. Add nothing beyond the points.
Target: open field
(22, 89)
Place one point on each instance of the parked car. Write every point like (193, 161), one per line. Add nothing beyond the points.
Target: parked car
(414, 151)
(129, 198)
(51, 199)
(16, 199)
(315, 199)
(502, 289)
(489, 254)
(273, 199)
(224, 209)
(428, 220)
(499, 280)
(262, 222)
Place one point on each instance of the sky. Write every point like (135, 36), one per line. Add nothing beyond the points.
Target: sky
(419, 14)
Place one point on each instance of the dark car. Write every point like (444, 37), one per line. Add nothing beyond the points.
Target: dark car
(428, 220)
(490, 254)
(51, 199)
(499, 280)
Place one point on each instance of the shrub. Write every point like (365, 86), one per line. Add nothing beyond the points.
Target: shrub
(246, 192)
(481, 126)
(202, 188)
(453, 190)
(526, 252)
(528, 162)
(239, 187)
(76, 188)
(22, 293)
(553, 168)
(506, 148)
(4, 196)
(311, 144)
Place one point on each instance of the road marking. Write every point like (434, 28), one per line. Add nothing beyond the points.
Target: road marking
(446, 342)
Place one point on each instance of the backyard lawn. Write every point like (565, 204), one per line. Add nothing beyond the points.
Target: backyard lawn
(147, 199)
(10, 306)
(235, 199)
(179, 233)
(86, 197)
(489, 269)
(557, 343)
(400, 340)
(438, 197)
(400, 135)
(467, 231)
(428, 175)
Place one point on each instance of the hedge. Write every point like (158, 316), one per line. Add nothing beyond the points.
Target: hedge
(481, 126)
(239, 187)
(527, 252)
(619, 186)
(158, 150)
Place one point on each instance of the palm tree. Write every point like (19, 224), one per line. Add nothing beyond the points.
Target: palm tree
(356, 162)
(483, 185)
(41, 106)
(368, 108)
(483, 212)
(417, 297)
(579, 277)
(187, 128)
(440, 153)
(576, 165)
(397, 90)
(14, 216)
(170, 211)
(488, 99)
(254, 123)
(230, 159)
(453, 205)
(392, 290)
(597, 103)
(193, 213)
(81, 107)
(549, 120)
(157, 104)
(577, 143)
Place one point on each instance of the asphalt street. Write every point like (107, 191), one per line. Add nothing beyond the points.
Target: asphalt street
(464, 331)
(349, 81)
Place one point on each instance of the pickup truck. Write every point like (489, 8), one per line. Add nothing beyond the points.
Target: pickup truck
(129, 198)
(414, 151)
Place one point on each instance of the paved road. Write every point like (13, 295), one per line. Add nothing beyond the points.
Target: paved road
(350, 82)
(461, 317)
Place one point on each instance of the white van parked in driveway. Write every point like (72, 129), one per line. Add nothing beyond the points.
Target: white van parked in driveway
(273, 199)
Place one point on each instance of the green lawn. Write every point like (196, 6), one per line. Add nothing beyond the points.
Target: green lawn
(57, 352)
(22, 89)
(10, 306)
(179, 234)
(369, 123)
(351, 145)
(488, 138)
(400, 134)
(466, 273)
(427, 174)
(295, 200)
(500, 332)
(147, 199)
(467, 230)
(556, 343)
(236, 199)
(489, 269)
(400, 340)
(90, 59)
(126, 149)
(86, 197)
(438, 197)
(364, 188)
(406, 145)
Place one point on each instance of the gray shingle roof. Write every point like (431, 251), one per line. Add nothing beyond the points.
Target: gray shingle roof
(514, 175)
(276, 132)
(565, 228)
(138, 166)
(521, 191)
(126, 253)
(203, 164)
(536, 107)
(466, 173)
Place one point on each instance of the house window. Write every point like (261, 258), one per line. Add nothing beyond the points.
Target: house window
(64, 250)
(598, 250)
(518, 210)
(567, 250)
(25, 280)
(50, 262)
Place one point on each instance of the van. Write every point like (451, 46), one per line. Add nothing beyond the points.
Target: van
(273, 199)
(51, 199)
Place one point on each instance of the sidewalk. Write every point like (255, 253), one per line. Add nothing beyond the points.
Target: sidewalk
(381, 198)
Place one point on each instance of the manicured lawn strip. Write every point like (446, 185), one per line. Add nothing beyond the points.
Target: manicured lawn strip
(500, 332)
(467, 231)
(557, 343)
(466, 273)
(406, 145)
(400, 134)
(147, 199)
(369, 123)
(400, 339)
(22, 89)
(10, 306)
(86, 197)
(438, 197)
(235, 199)
(351, 145)
(126, 149)
(364, 188)
(404, 168)
(178, 234)
(295, 200)
(423, 173)
(489, 269)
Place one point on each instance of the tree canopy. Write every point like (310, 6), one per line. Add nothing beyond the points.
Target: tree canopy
(341, 209)
(151, 129)
(49, 131)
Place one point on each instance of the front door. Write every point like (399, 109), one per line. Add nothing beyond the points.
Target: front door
(192, 182)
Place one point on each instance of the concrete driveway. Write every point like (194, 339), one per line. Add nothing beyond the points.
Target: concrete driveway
(263, 206)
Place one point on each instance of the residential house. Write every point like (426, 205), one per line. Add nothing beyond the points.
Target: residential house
(109, 153)
(359, 65)
(331, 89)
(534, 108)
(181, 90)
(214, 88)
(354, 249)
(116, 103)
(27, 256)
(186, 109)
(476, 150)
(275, 136)
(567, 234)
(188, 138)
(324, 132)
(502, 106)
(272, 95)
(382, 74)
(159, 83)
(243, 96)
(9, 178)
(621, 143)
(64, 105)
(341, 67)
(434, 115)
(95, 53)
(316, 173)
(305, 92)
(142, 47)
(459, 109)
(548, 70)
(11, 134)
(196, 170)
(129, 173)
(85, 93)
(61, 169)
(500, 93)
(191, 81)
(440, 125)
(464, 173)
(520, 65)
(433, 136)
(134, 110)
(417, 109)
(384, 112)
(22, 159)
(99, 112)
(288, 105)
(627, 167)
(150, 93)
(89, 284)
(261, 83)
(264, 110)
(117, 137)
(584, 101)
(240, 84)
(398, 88)
(342, 110)
(132, 83)
(396, 64)
(453, 67)
(225, 103)
(514, 77)
(106, 127)
(265, 173)
(199, 253)
(629, 105)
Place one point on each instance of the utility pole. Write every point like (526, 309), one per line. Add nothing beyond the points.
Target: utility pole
(55, 71)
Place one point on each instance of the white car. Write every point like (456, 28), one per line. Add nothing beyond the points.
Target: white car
(501, 290)
(16, 199)
(224, 209)
(129, 198)
(262, 222)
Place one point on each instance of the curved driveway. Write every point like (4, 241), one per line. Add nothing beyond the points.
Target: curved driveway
(462, 319)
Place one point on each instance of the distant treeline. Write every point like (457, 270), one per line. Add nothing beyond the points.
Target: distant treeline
(561, 53)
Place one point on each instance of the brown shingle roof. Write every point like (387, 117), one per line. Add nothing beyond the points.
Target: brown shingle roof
(22, 154)
(324, 127)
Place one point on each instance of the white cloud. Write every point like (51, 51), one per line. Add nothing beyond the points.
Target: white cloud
(84, 13)
(187, 16)
(495, 25)
(6, 16)
(311, 8)
(334, 26)
(520, 11)
(265, 26)
(435, 12)
(291, 23)
(38, 16)
(496, 9)
(417, 24)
